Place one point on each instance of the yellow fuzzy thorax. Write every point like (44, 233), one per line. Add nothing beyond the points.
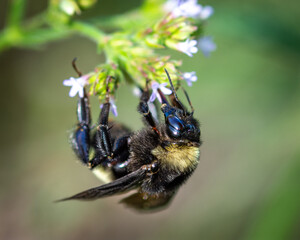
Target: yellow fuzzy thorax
(178, 157)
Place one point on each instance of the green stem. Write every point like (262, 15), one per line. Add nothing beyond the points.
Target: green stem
(36, 21)
(89, 31)
(16, 13)
(126, 21)
(33, 32)
(33, 35)
(12, 37)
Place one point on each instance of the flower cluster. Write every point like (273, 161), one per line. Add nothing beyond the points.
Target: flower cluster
(131, 55)
(188, 8)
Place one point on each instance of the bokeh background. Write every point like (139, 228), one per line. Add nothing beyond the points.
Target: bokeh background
(247, 98)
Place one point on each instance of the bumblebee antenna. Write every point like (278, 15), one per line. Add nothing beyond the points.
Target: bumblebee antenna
(75, 67)
(174, 92)
(188, 99)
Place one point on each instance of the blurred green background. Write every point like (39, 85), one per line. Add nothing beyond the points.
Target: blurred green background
(247, 98)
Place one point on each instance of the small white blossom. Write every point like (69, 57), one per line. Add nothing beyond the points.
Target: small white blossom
(206, 12)
(69, 7)
(206, 45)
(113, 107)
(188, 47)
(188, 8)
(170, 5)
(137, 92)
(190, 77)
(155, 86)
(77, 85)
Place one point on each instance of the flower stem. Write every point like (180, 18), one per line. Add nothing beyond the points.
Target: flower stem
(16, 13)
(89, 31)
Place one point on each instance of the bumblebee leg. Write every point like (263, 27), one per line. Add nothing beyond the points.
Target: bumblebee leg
(120, 155)
(102, 136)
(103, 139)
(121, 145)
(81, 137)
(143, 108)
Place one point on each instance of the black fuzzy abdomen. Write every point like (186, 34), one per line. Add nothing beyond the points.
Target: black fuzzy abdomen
(141, 145)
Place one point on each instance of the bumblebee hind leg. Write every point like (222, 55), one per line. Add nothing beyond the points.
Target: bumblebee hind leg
(110, 144)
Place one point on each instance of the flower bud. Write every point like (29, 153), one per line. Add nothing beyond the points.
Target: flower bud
(69, 7)
(86, 3)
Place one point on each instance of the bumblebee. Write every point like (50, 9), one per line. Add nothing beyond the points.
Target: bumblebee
(154, 162)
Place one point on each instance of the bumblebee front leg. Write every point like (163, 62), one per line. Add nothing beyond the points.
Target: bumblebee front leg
(144, 109)
(81, 137)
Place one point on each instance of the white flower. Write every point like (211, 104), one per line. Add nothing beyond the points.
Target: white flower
(206, 45)
(190, 77)
(113, 107)
(137, 92)
(155, 86)
(188, 47)
(188, 8)
(69, 7)
(170, 5)
(206, 12)
(77, 85)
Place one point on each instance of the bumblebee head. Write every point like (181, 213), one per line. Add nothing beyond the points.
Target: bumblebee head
(180, 123)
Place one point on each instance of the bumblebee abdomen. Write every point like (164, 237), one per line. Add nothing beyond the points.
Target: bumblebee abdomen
(104, 174)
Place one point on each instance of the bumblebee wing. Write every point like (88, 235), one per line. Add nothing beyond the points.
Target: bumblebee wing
(118, 186)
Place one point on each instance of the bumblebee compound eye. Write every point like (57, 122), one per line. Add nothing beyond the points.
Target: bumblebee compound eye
(175, 126)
